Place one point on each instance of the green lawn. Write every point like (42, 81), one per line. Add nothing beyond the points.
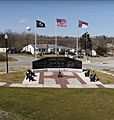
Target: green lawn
(56, 104)
(13, 77)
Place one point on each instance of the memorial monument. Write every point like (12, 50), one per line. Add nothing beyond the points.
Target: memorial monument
(56, 62)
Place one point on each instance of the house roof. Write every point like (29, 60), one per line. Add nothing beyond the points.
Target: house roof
(49, 46)
(40, 46)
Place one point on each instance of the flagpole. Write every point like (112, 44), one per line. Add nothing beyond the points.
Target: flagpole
(35, 41)
(77, 43)
(86, 47)
(55, 39)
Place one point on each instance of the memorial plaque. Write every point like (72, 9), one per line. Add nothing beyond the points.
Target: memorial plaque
(56, 62)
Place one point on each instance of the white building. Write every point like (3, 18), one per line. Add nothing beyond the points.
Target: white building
(93, 53)
(28, 48)
(44, 48)
(3, 50)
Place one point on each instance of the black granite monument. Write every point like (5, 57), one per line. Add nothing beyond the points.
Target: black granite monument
(56, 62)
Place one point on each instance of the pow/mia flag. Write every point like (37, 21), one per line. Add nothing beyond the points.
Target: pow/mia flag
(40, 23)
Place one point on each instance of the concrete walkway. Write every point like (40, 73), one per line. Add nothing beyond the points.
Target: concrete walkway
(48, 78)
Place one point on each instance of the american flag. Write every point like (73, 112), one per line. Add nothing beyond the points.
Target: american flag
(61, 22)
(82, 24)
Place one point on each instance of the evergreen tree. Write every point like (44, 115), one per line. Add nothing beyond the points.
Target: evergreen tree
(86, 43)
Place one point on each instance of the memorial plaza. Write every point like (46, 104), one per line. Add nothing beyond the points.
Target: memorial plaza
(49, 78)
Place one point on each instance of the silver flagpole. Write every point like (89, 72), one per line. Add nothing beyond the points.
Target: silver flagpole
(77, 43)
(55, 39)
(35, 41)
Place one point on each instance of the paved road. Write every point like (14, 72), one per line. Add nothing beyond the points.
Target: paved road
(99, 63)
(95, 63)
(99, 66)
(23, 61)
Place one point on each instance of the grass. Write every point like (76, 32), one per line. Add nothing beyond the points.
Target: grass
(13, 77)
(57, 104)
(104, 78)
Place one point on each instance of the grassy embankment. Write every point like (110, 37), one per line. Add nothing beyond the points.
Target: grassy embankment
(56, 104)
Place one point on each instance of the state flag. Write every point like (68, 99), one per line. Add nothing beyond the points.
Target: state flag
(61, 23)
(40, 24)
(82, 24)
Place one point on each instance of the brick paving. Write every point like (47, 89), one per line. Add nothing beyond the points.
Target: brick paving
(7, 84)
(52, 79)
(100, 85)
(41, 78)
(64, 79)
(79, 78)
